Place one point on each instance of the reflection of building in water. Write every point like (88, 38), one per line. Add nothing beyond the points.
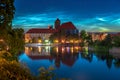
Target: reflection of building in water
(64, 50)
(65, 55)
(38, 52)
(115, 51)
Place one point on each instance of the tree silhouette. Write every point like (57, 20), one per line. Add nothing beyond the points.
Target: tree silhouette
(7, 11)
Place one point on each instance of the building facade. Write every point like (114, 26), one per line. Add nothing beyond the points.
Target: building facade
(40, 35)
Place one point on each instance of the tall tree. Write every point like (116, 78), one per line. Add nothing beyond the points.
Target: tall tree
(83, 37)
(7, 11)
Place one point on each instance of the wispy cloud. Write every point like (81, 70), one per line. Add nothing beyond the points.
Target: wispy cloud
(44, 18)
(97, 23)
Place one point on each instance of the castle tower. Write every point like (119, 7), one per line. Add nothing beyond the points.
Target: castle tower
(57, 23)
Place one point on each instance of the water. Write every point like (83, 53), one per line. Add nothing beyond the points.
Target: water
(72, 62)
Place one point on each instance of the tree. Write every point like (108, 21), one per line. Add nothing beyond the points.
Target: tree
(107, 41)
(7, 11)
(116, 41)
(16, 40)
(89, 39)
(83, 37)
(83, 34)
(12, 70)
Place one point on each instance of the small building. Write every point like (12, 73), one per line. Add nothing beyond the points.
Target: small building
(98, 35)
(38, 35)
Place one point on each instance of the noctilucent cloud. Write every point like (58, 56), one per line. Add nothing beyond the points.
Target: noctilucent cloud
(90, 15)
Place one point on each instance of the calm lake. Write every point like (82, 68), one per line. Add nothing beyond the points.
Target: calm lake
(72, 63)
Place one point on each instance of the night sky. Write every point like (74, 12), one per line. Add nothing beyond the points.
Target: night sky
(90, 15)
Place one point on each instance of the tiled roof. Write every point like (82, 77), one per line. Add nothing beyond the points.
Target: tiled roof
(67, 25)
(41, 30)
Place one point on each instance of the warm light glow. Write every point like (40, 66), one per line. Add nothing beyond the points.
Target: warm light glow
(68, 49)
(67, 41)
(1, 40)
(71, 41)
(46, 41)
(39, 49)
(76, 48)
(56, 49)
(63, 49)
(31, 48)
(56, 41)
(30, 41)
(71, 49)
(47, 48)
(76, 41)
(63, 41)
(39, 41)
(27, 50)
(27, 40)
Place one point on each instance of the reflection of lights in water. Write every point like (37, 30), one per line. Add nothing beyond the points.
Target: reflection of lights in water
(39, 49)
(26, 48)
(67, 41)
(47, 48)
(31, 48)
(48, 43)
(71, 49)
(56, 49)
(86, 50)
(68, 49)
(76, 48)
(63, 49)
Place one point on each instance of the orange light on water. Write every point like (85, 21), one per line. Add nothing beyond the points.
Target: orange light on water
(63, 49)
(56, 49)
(71, 49)
(39, 49)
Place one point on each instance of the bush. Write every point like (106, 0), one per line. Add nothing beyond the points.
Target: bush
(12, 70)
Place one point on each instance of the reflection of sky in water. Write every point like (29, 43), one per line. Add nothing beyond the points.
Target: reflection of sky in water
(77, 66)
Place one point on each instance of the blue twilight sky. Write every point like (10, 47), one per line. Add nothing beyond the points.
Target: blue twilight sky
(91, 15)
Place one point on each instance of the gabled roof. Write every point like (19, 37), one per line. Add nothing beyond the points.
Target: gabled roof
(67, 25)
(41, 30)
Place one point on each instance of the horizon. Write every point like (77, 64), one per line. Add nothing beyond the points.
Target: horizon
(84, 14)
